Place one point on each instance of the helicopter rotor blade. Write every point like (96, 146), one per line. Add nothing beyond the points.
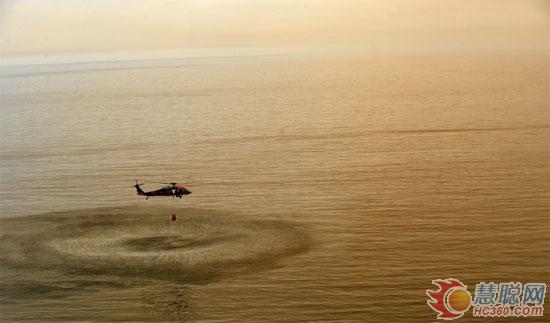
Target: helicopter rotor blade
(162, 183)
(171, 183)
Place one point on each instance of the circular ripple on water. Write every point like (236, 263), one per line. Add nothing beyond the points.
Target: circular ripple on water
(202, 245)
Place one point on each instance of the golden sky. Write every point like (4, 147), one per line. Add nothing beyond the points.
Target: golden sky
(38, 27)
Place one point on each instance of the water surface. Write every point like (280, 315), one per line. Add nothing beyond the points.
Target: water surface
(324, 188)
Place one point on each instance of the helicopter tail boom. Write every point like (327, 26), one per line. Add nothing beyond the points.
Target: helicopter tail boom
(139, 190)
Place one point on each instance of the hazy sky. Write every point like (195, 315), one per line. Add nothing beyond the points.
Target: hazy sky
(38, 27)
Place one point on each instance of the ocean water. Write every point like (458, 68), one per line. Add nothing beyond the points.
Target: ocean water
(325, 188)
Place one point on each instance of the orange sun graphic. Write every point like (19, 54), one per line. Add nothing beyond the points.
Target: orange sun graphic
(451, 300)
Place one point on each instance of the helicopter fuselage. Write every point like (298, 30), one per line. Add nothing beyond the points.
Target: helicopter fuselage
(172, 190)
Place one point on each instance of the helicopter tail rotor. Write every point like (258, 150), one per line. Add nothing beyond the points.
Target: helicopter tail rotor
(139, 191)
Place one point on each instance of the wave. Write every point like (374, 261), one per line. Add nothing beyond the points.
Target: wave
(365, 133)
(201, 246)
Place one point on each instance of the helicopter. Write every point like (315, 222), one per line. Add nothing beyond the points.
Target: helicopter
(171, 189)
